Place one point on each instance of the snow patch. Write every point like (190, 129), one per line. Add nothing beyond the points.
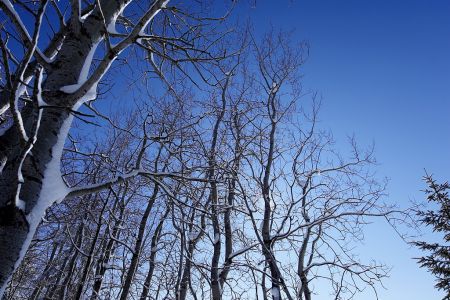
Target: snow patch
(91, 94)
(4, 108)
(216, 238)
(40, 100)
(87, 64)
(192, 235)
(21, 89)
(82, 78)
(276, 293)
(53, 190)
(84, 17)
(275, 88)
(53, 187)
(70, 89)
(10, 7)
(58, 48)
(20, 204)
(163, 5)
(111, 27)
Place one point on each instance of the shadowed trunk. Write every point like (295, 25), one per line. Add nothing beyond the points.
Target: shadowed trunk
(153, 251)
(17, 225)
(137, 247)
(38, 288)
(71, 266)
(88, 264)
(108, 249)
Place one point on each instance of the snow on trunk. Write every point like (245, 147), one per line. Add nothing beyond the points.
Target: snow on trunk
(20, 204)
(276, 295)
(163, 5)
(111, 28)
(53, 188)
(192, 235)
(69, 89)
(216, 239)
(10, 7)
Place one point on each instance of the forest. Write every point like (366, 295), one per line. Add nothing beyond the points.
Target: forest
(170, 150)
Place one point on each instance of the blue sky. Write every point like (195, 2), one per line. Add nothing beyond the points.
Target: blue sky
(383, 70)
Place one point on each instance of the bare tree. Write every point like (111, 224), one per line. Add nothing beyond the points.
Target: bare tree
(44, 86)
(303, 198)
(226, 191)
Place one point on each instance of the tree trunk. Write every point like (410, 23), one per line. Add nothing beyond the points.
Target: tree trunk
(186, 278)
(107, 252)
(87, 266)
(52, 289)
(182, 286)
(38, 288)
(72, 263)
(137, 247)
(216, 289)
(153, 251)
(40, 170)
(17, 226)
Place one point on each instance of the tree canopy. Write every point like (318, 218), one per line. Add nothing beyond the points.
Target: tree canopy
(438, 259)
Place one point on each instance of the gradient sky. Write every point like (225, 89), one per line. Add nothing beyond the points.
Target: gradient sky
(383, 69)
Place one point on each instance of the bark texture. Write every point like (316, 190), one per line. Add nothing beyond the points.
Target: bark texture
(16, 230)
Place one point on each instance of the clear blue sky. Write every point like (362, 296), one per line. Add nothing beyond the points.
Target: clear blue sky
(383, 69)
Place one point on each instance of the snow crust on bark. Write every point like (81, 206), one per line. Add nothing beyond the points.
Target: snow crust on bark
(70, 89)
(55, 53)
(111, 27)
(163, 5)
(11, 8)
(216, 239)
(53, 189)
(20, 204)
(19, 92)
(3, 288)
(275, 88)
(83, 17)
(40, 100)
(243, 250)
(192, 235)
(276, 293)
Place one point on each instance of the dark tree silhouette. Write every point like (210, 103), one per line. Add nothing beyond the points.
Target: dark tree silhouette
(438, 261)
